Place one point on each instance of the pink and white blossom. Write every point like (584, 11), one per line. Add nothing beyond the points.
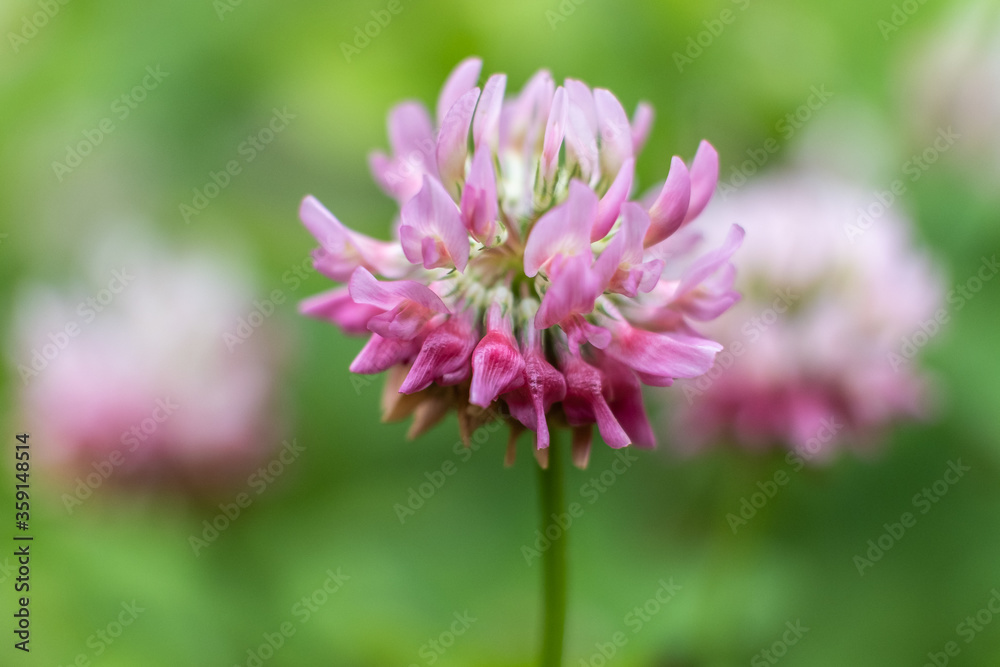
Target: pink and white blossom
(816, 349)
(524, 275)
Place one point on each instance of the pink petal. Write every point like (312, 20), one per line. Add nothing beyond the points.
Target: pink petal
(585, 403)
(444, 354)
(715, 297)
(635, 225)
(581, 129)
(459, 82)
(642, 123)
(379, 354)
(338, 307)
(664, 355)
(497, 364)
(523, 119)
(615, 132)
(610, 205)
(555, 132)
(573, 290)
(343, 250)
(563, 230)
(626, 403)
(406, 321)
(411, 136)
(386, 295)
(708, 264)
(486, 126)
(704, 177)
(432, 232)
(479, 206)
(668, 211)
(453, 141)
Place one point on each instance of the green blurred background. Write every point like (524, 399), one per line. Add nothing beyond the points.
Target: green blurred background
(461, 552)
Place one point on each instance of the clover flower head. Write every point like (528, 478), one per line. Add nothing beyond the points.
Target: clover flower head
(523, 276)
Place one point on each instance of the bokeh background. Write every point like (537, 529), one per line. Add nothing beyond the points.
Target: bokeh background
(230, 65)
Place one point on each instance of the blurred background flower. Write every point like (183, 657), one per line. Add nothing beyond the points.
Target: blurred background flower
(837, 303)
(211, 118)
(157, 372)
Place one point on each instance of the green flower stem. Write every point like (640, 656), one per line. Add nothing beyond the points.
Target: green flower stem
(553, 503)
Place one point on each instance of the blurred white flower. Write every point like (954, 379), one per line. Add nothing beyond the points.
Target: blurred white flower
(819, 351)
(130, 380)
(953, 79)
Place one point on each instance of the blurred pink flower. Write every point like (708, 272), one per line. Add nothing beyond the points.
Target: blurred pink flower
(820, 350)
(131, 380)
(519, 263)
